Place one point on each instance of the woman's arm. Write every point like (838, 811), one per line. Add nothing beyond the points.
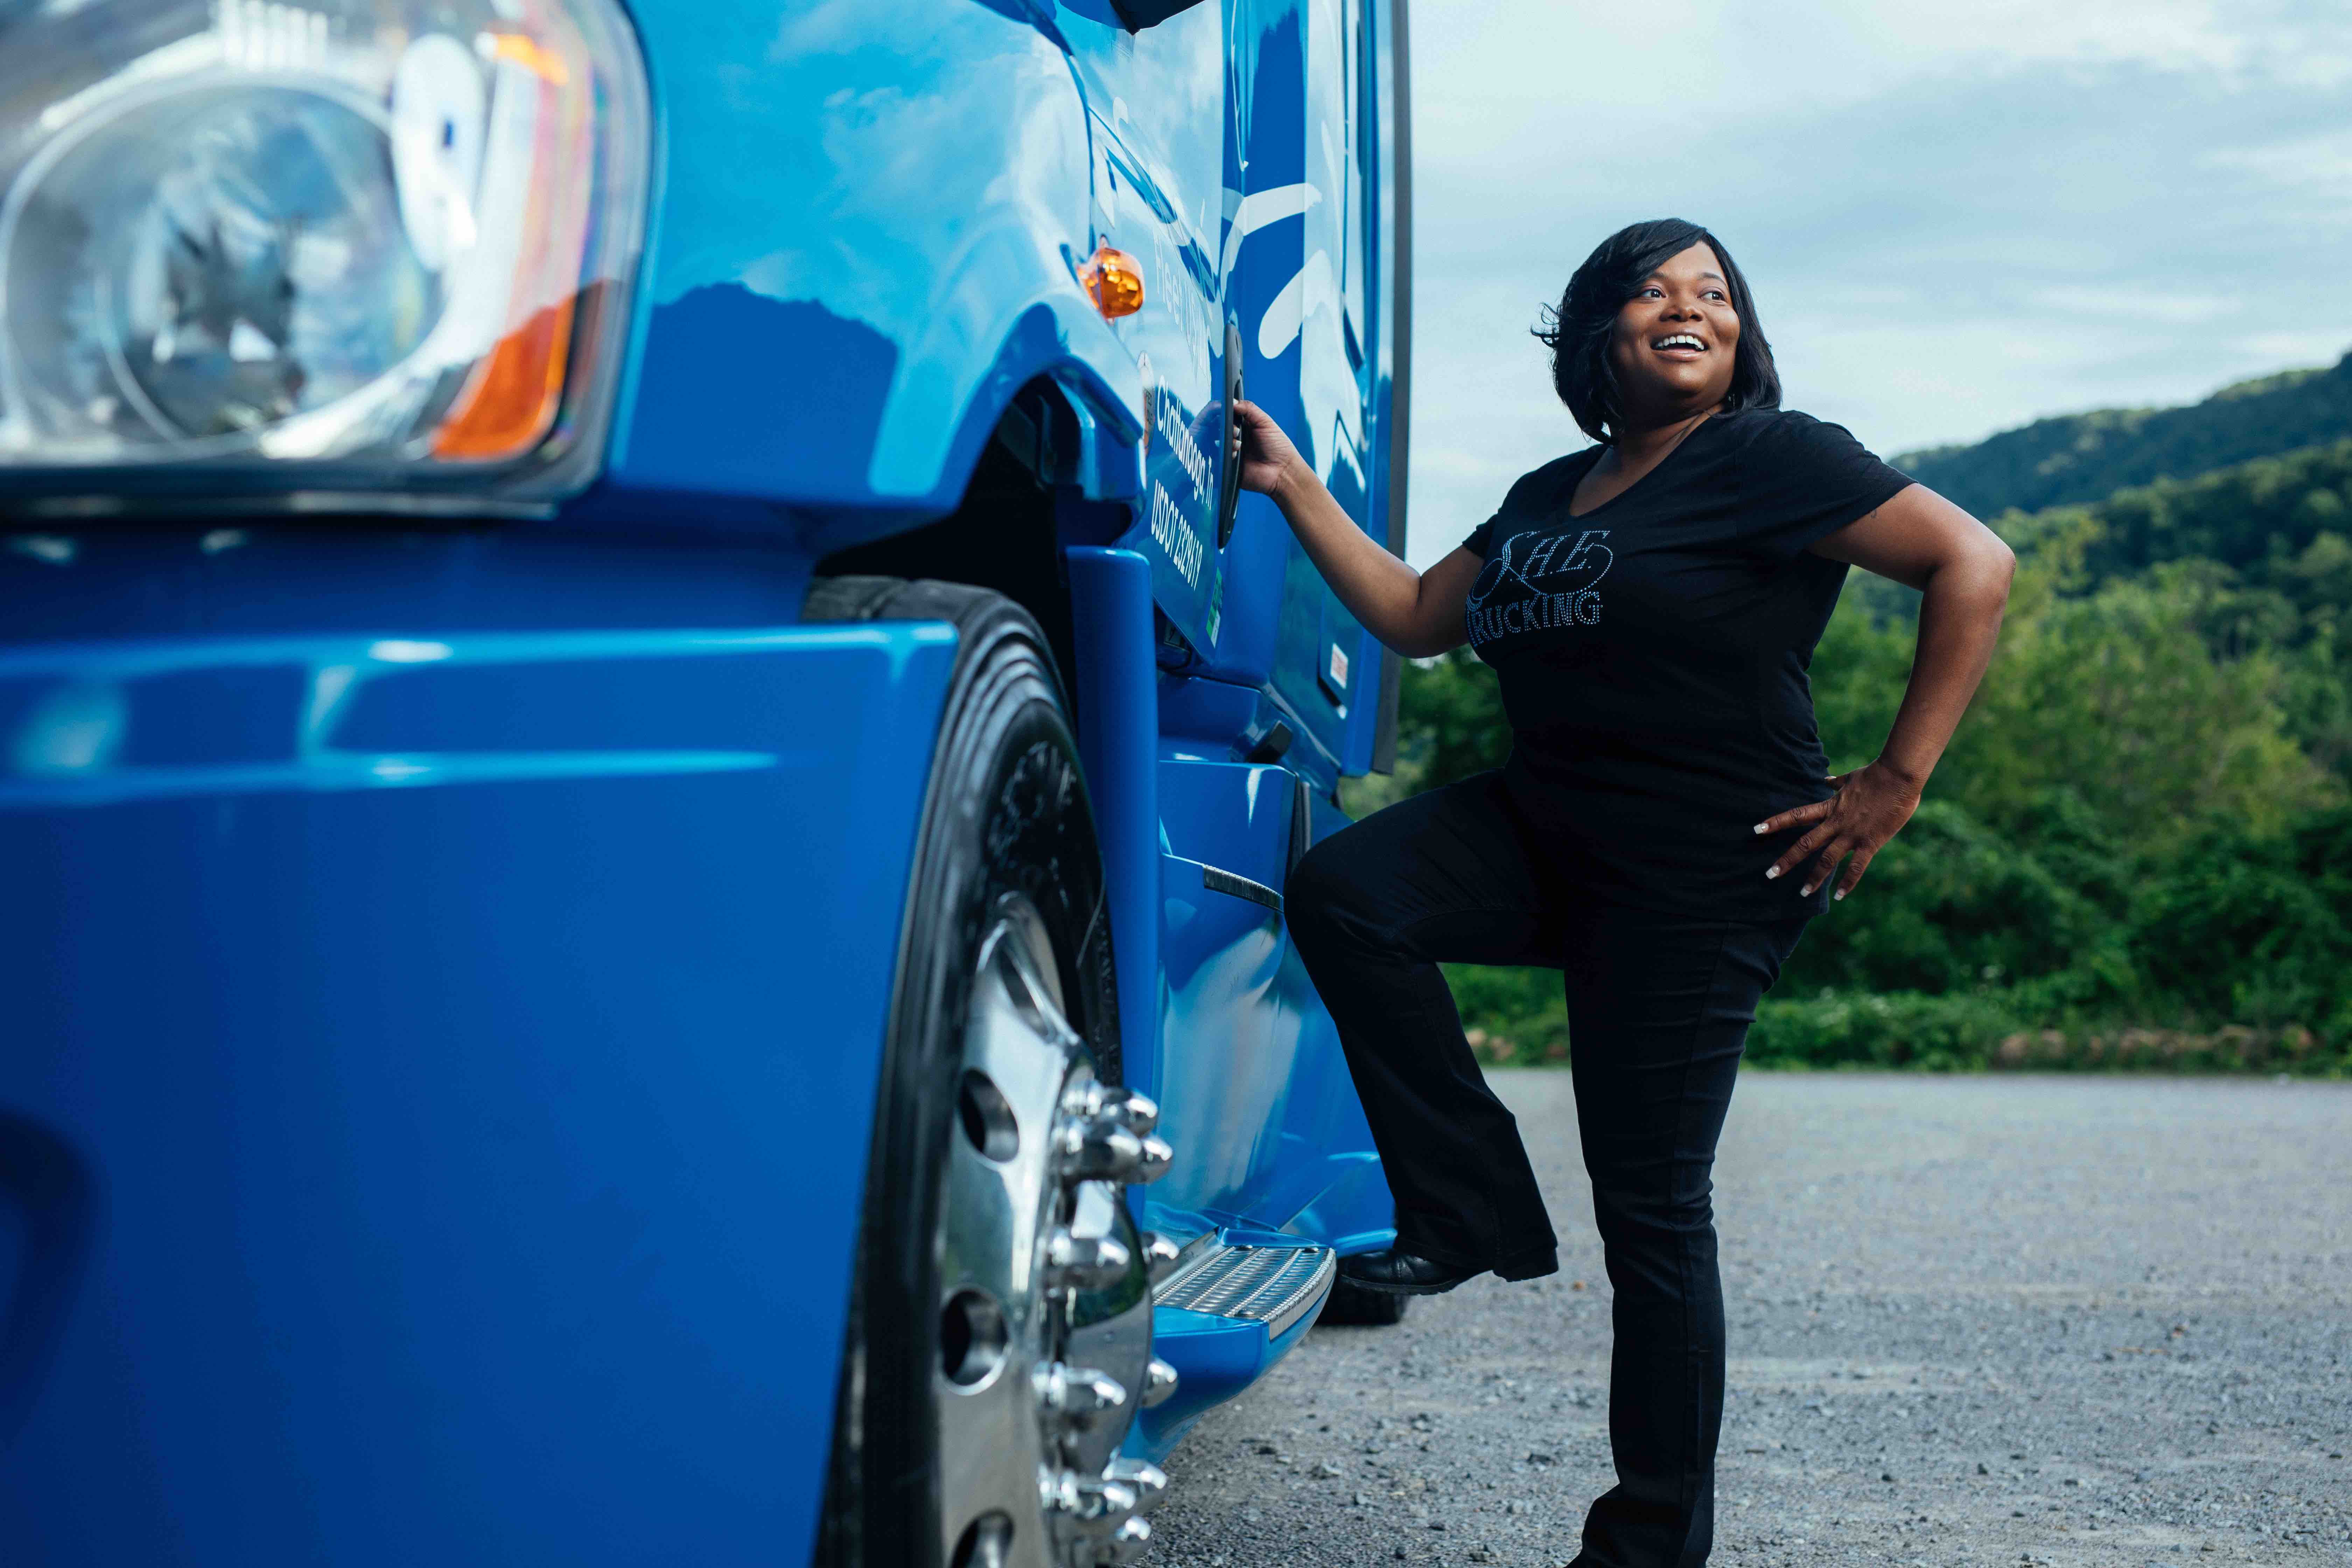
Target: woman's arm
(1962, 570)
(1416, 613)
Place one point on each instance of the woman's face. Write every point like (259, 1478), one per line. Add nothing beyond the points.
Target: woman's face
(1673, 345)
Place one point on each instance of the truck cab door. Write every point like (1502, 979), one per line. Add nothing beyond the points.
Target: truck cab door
(1158, 144)
(1324, 310)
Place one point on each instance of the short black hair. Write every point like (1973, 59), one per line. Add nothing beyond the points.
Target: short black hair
(1577, 332)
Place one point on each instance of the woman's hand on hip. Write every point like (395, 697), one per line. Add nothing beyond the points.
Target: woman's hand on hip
(1870, 806)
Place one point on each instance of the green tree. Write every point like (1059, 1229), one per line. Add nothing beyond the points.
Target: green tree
(2088, 457)
(2118, 697)
(2256, 926)
(1452, 707)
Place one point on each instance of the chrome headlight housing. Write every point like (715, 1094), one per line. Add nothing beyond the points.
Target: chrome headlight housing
(345, 253)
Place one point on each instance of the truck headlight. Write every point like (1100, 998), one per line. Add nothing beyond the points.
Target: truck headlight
(345, 248)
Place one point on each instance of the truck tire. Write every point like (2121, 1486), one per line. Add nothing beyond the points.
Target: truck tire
(1000, 1338)
(1353, 1307)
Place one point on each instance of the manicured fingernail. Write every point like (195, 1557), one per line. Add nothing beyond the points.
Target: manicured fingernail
(1770, 872)
(1838, 897)
(1807, 892)
(1760, 826)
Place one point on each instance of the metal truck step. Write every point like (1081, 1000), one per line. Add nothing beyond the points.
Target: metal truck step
(1276, 1286)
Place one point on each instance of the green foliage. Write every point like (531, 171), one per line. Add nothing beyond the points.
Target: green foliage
(2278, 523)
(2086, 456)
(2136, 851)
(1972, 1031)
(1512, 1015)
(1835, 1029)
(2276, 908)
(2117, 697)
(1452, 709)
(1954, 904)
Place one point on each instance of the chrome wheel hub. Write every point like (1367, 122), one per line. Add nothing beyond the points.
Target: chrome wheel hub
(1044, 1308)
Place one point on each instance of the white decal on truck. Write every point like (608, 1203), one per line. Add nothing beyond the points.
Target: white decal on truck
(1174, 535)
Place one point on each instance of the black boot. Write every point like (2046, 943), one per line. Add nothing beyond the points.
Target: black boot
(1396, 1272)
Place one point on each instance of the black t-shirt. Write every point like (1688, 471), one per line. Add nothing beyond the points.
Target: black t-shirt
(1653, 656)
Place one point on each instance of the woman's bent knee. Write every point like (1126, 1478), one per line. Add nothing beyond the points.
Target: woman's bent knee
(1314, 894)
(1331, 906)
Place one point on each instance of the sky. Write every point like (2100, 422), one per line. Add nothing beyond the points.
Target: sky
(1956, 216)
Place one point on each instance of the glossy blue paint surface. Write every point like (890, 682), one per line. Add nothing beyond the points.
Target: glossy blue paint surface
(1220, 1357)
(872, 213)
(869, 216)
(457, 959)
(1110, 594)
(1225, 1062)
(475, 1148)
(1251, 1083)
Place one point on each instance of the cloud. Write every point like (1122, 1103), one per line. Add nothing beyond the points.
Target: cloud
(2325, 160)
(1958, 215)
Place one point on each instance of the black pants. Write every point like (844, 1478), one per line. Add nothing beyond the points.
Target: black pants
(1658, 1007)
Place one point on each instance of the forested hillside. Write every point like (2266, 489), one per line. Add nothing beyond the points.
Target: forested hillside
(2139, 849)
(2088, 456)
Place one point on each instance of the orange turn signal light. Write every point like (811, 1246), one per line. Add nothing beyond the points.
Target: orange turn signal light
(1114, 280)
(511, 398)
(527, 53)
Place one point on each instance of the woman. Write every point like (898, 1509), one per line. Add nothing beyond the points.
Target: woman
(1660, 833)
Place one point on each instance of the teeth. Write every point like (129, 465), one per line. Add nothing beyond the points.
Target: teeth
(1680, 341)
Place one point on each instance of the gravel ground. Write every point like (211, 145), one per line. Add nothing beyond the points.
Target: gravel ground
(2052, 1321)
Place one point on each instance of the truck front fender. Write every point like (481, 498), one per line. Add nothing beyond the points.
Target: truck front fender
(867, 210)
(471, 1041)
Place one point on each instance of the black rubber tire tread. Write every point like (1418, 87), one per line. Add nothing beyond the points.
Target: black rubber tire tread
(924, 599)
(1353, 1307)
(1005, 810)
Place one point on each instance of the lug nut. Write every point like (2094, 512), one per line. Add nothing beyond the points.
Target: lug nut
(1103, 1150)
(1131, 1109)
(1139, 1113)
(1128, 1542)
(1096, 1149)
(1079, 1394)
(1084, 1262)
(1090, 1505)
(1160, 1254)
(1147, 1482)
(1157, 1157)
(1159, 1381)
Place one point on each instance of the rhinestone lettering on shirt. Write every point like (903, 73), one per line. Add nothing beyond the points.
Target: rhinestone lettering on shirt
(1537, 581)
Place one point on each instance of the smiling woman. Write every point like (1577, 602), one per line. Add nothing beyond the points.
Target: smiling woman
(1614, 303)
(1651, 604)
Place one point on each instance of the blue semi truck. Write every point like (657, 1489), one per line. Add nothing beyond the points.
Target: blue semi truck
(647, 758)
